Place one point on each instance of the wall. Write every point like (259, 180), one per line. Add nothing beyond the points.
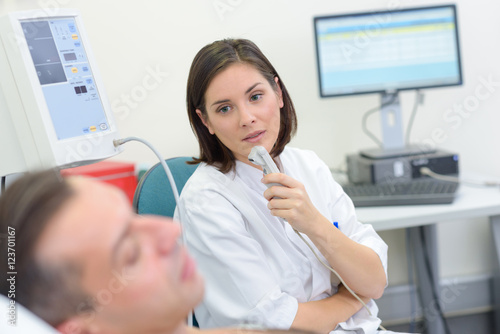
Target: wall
(144, 50)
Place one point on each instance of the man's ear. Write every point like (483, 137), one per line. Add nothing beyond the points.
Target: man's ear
(75, 325)
(204, 121)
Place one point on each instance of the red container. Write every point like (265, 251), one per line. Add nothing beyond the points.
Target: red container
(119, 174)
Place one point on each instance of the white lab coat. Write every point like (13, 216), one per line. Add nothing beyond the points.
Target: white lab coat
(256, 268)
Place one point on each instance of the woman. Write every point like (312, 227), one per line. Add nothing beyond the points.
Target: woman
(257, 269)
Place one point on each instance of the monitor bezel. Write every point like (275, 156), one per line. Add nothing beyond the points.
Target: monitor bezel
(72, 151)
(381, 12)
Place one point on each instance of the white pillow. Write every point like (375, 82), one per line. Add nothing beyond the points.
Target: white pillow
(25, 321)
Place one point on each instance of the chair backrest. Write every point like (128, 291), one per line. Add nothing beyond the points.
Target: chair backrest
(153, 194)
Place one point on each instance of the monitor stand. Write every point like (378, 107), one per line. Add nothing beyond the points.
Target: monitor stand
(393, 144)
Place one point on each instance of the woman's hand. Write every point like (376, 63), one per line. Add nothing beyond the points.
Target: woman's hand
(359, 265)
(291, 202)
(322, 316)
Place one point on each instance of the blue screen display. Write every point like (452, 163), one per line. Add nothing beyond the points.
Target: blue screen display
(388, 51)
(66, 77)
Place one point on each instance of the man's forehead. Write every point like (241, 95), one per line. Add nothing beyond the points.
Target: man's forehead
(85, 183)
(86, 222)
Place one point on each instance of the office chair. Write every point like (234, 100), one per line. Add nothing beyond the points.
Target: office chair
(153, 194)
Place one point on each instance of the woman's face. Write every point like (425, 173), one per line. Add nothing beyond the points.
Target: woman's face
(243, 110)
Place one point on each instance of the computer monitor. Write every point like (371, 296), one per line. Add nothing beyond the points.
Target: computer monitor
(386, 52)
(53, 108)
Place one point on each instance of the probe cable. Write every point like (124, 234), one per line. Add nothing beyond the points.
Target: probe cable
(336, 274)
(118, 142)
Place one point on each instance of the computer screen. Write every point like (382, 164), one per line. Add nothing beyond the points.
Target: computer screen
(387, 51)
(65, 75)
(54, 110)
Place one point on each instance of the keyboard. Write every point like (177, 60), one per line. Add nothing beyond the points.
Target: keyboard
(416, 192)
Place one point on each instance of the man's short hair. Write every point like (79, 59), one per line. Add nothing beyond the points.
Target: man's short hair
(50, 290)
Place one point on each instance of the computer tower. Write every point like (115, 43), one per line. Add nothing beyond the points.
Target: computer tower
(401, 169)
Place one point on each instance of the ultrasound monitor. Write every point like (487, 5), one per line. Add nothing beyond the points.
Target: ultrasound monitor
(386, 52)
(53, 108)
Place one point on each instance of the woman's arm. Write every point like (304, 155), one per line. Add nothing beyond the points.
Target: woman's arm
(322, 316)
(359, 265)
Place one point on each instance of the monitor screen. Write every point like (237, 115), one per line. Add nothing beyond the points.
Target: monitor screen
(65, 76)
(387, 51)
(54, 110)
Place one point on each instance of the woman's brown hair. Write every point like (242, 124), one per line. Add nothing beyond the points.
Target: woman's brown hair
(210, 61)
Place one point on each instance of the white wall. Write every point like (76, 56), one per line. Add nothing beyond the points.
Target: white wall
(131, 39)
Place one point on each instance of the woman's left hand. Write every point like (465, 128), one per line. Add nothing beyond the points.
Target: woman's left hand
(291, 202)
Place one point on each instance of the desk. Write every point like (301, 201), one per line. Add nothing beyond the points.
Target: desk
(470, 202)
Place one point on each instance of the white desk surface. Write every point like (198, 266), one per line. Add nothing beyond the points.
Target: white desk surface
(470, 202)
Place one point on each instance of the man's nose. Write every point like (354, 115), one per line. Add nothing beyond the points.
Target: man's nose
(167, 235)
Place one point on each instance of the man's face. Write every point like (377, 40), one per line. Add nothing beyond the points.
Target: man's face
(138, 277)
